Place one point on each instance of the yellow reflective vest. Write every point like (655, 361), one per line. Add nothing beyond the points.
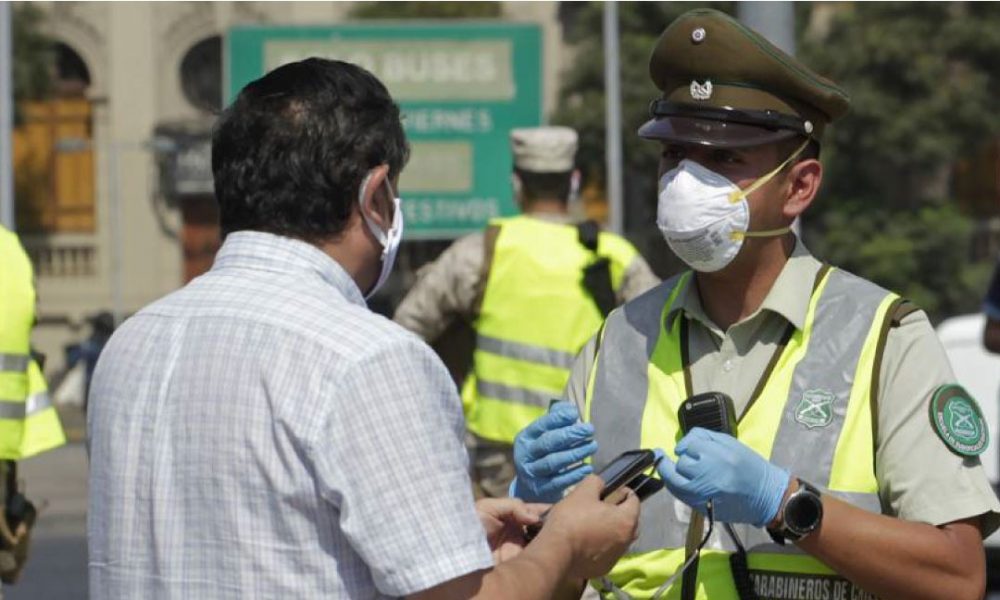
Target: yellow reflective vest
(28, 421)
(535, 316)
(811, 413)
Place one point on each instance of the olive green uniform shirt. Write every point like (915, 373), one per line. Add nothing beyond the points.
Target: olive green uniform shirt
(920, 479)
(450, 287)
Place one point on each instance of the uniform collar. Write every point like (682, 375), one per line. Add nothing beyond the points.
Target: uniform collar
(262, 251)
(561, 218)
(789, 295)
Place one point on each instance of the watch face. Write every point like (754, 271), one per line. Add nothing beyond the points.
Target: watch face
(803, 512)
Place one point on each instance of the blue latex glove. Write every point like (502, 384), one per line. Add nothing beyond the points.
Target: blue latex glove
(544, 451)
(743, 487)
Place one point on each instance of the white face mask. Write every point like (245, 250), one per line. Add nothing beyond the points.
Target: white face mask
(389, 240)
(704, 217)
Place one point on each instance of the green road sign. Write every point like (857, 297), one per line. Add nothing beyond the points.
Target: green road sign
(462, 88)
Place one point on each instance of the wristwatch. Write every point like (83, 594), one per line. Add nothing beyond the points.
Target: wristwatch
(801, 514)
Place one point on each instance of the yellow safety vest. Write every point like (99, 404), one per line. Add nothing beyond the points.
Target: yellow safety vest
(811, 414)
(535, 317)
(28, 421)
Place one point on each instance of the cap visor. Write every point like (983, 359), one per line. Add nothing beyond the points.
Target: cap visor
(708, 132)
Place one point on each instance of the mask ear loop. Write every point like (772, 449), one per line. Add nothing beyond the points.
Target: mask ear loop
(381, 236)
(737, 196)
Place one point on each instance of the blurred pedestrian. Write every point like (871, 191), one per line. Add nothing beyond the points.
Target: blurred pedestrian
(262, 433)
(535, 288)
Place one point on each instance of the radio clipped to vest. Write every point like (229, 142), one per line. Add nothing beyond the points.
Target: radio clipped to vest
(714, 411)
(597, 275)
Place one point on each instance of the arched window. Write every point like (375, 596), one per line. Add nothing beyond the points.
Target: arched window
(54, 158)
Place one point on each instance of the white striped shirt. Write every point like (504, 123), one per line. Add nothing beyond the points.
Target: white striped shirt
(262, 434)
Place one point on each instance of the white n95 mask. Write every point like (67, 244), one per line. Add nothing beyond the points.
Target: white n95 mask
(704, 217)
(389, 240)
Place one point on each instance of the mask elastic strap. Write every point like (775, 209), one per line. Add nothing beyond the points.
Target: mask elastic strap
(739, 235)
(738, 195)
(381, 236)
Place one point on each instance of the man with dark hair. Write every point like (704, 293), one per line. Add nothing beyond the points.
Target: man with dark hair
(261, 433)
(534, 288)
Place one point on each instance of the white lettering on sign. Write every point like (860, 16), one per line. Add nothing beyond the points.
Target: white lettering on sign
(450, 211)
(441, 120)
(416, 69)
(437, 66)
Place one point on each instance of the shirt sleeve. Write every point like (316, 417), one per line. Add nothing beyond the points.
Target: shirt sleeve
(920, 478)
(445, 290)
(390, 459)
(991, 304)
(637, 280)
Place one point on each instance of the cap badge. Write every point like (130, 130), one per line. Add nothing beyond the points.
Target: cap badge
(698, 35)
(701, 91)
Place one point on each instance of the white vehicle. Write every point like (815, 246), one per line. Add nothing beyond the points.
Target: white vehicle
(978, 371)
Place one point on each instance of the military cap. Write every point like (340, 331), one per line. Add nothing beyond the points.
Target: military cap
(725, 85)
(543, 149)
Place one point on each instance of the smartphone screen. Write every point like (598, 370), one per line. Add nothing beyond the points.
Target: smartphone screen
(625, 468)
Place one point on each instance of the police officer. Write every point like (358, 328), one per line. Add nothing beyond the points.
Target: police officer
(28, 421)
(535, 288)
(855, 471)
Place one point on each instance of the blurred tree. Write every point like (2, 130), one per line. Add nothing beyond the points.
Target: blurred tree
(34, 53)
(923, 81)
(426, 10)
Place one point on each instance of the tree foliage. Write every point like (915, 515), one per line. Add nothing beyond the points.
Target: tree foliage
(33, 53)
(923, 80)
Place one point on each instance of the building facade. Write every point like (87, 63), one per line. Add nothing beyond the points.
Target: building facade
(125, 213)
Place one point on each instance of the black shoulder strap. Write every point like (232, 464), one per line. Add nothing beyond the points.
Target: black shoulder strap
(489, 250)
(596, 275)
(589, 233)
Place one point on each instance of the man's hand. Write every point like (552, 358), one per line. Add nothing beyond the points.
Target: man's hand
(598, 533)
(504, 520)
(712, 466)
(545, 450)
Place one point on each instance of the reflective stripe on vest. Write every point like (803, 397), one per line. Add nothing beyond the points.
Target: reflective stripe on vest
(19, 410)
(16, 363)
(535, 317)
(812, 417)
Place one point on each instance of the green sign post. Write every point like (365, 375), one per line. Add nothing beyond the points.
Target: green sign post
(462, 88)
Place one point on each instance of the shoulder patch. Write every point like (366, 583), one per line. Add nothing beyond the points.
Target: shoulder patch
(958, 421)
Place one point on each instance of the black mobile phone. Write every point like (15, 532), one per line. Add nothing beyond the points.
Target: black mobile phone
(624, 469)
(711, 410)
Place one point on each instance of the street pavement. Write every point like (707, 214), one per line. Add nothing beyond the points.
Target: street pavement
(57, 566)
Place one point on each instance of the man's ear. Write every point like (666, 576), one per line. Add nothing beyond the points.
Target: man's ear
(803, 181)
(373, 199)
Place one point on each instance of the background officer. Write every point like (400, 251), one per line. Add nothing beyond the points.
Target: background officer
(534, 288)
(855, 471)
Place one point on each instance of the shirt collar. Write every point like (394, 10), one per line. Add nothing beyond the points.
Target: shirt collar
(789, 296)
(269, 252)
